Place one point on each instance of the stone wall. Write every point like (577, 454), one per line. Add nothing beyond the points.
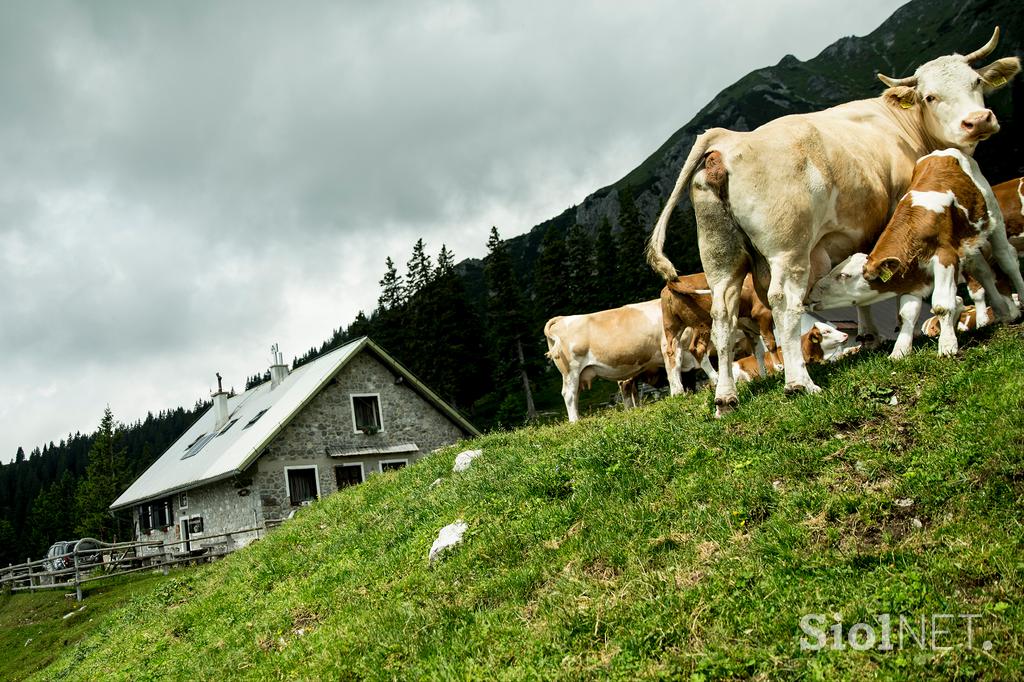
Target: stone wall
(222, 510)
(326, 425)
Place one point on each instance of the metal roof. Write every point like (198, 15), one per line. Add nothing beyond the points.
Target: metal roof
(255, 418)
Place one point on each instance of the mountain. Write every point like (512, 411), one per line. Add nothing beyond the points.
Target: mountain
(844, 71)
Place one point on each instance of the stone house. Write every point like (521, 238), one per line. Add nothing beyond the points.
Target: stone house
(255, 457)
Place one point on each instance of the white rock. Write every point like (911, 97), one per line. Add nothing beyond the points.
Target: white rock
(894, 400)
(916, 523)
(464, 459)
(447, 537)
(437, 482)
(904, 502)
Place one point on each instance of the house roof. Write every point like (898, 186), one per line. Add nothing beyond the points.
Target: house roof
(255, 418)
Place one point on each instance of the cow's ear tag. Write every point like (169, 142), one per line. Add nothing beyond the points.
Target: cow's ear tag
(885, 275)
(907, 101)
(999, 81)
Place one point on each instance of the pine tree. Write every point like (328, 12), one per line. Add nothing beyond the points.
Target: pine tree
(418, 270)
(52, 517)
(551, 295)
(391, 294)
(506, 322)
(445, 263)
(607, 294)
(20, 456)
(636, 280)
(105, 479)
(581, 280)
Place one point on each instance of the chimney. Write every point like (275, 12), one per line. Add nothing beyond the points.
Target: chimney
(278, 370)
(220, 404)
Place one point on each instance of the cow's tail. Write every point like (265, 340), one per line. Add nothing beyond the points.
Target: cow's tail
(656, 244)
(554, 343)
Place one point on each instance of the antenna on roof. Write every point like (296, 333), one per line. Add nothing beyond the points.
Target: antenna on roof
(220, 385)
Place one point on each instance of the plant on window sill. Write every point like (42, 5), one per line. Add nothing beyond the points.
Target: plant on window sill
(370, 430)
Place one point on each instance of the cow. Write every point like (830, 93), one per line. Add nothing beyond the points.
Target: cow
(616, 344)
(968, 320)
(943, 222)
(686, 313)
(799, 194)
(816, 346)
(1010, 195)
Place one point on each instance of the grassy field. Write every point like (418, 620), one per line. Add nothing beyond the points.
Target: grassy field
(655, 544)
(34, 631)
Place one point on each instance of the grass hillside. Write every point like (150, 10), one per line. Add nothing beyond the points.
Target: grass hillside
(654, 544)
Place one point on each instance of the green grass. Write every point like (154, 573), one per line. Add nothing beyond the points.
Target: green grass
(33, 630)
(657, 544)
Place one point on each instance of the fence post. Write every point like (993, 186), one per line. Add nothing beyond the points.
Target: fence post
(78, 585)
(163, 556)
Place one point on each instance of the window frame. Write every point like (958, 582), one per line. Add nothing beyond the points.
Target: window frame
(352, 406)
(288, 486)
(183, 495)
(381, 463)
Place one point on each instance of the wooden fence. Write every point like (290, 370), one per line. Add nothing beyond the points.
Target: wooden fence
(99, 560)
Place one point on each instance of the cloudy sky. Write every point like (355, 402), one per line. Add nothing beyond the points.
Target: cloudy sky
(183, 184)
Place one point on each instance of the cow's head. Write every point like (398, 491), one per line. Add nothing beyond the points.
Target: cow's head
(844, 285)
(950, 95)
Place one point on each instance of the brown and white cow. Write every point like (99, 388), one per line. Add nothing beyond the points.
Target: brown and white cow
(944, 222)
(686, 314)
(1010, 195)
(803, 192)
(816, 346)
(968, 321)
(616, 344)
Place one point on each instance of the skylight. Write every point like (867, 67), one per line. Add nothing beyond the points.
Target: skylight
(198, 445)
(256, 418)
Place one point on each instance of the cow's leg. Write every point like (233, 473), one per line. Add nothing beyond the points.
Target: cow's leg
(786, 295)
(978, 297)
(725, 307)
(759, 356)
(571, 392)
(944, 305)
(670, 349)
(724, 255)
(909, 311)
(1006, 256)
(981, 271)
(867, 332)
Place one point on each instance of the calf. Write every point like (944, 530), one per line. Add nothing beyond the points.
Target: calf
(686, 312)
(820, 341)
(1010, 195)
(616, 344)
(941, 223)
(969, 319)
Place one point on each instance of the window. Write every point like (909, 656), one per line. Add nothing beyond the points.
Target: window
(255, 419)
(393, 464)
(348, 474)
(366, 413)
(198, 445)
(229, 425)
(182, 500)
(156, 514)
(303, 486)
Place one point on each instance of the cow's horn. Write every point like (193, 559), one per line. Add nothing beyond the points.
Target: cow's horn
(984, 51)
(910, 81)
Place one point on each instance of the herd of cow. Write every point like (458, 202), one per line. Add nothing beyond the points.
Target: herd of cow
(868, 200)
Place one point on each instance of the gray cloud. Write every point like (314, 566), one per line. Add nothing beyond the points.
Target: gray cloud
(185, 183)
